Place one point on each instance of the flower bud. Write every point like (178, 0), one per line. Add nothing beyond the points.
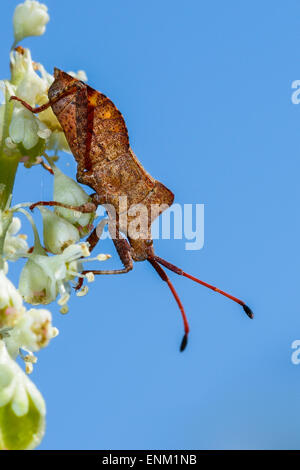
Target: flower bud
(58, 232)
(67, 191)
(22, 408)
(30, 19)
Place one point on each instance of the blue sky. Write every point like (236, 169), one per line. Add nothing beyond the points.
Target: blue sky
(205, 88)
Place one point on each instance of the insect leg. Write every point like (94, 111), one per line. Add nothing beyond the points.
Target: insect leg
(180, 272)
(122, 247)
(38, 109)
(95, 236)
(86, 208)
(69, 89)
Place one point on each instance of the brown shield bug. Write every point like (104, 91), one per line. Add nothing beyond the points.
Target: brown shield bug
(97, 134)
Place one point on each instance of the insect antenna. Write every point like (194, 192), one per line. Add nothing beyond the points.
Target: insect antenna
(180, 272)
(165, 278)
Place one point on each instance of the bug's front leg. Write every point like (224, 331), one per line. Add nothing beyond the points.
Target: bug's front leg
(68, 89)
(86, 208)
(36, 110)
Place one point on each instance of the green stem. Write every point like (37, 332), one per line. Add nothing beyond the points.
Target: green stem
(8, 164)
(8, 169)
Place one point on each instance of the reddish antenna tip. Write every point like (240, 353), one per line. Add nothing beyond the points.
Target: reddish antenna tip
(248, 311)
(184, 342)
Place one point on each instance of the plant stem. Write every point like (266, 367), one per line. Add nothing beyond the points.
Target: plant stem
(8, 169)
(8, 164)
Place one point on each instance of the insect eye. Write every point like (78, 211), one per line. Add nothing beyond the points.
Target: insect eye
(149, 242)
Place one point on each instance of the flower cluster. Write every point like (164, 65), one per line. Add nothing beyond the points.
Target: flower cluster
(52, 266)
(29, 135)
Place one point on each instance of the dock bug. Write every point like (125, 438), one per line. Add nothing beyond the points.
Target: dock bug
(98, 138)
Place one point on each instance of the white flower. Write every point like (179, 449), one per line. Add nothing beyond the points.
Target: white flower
(47, 117)
(30, 19)
(33, 331)
(11, 304)
(44, 277)
(28, 83)
(46, 76)
(15, 246)
(26, 128)
(35, 285)
(5, 221)
(58, 232)
(14, 226)
(68, 191)
(29, 86)
(22, 408)
(18, 64)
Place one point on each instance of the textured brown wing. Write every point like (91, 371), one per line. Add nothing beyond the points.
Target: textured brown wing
(106, 133)
(95, 129)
